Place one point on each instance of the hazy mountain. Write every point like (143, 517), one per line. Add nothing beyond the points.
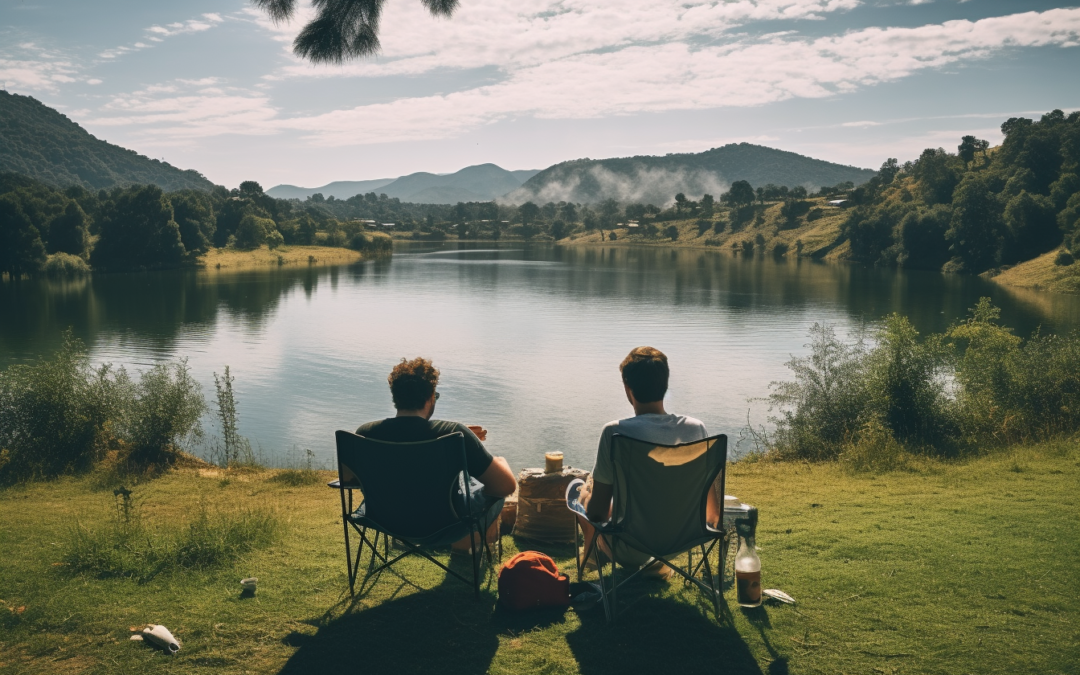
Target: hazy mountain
(650, 179)
(41, 143)
(342, 189)
(482, 182)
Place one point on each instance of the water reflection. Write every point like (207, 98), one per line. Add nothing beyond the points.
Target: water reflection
(528, 336)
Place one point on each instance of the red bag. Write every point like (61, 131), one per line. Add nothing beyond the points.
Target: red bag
(530, 580)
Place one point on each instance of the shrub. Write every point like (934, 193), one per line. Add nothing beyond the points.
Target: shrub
(1062, 259)
(905, 380)
(252, 231)
(274, 239)
(166, 411)
(372, 242)
(672, 232)
(65, 265)
(814, 214)
(826, 402)
(56, 416)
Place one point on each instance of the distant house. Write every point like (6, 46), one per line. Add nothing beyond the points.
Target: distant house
(387, 224)
(632, 223)
(839, 203)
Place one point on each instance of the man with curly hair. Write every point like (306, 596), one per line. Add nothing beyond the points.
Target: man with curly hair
(412, 387)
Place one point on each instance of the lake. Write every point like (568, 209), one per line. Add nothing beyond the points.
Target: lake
(528, 337)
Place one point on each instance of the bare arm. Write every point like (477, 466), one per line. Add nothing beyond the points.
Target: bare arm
(498, 479)
(712, 509)
(598, 509)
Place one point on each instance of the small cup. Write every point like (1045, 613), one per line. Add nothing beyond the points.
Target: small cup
(553, 462)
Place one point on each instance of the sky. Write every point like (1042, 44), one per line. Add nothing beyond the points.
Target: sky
(212, 85)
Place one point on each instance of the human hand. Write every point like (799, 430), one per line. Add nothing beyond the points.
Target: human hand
(480, 431)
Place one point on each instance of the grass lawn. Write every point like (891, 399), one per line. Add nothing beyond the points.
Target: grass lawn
(967, 567)
(232, 259)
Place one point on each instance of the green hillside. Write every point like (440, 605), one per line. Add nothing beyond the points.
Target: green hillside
(650, 179)
(42, 143)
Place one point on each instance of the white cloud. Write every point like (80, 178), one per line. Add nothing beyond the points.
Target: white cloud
(93, 80)
(676, 76)
(639, 60)
(35, 69)
(177, 112)
(511, 35)
(159, 33)
(861, 124)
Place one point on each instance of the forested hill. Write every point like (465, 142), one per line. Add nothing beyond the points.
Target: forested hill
(41, 143)
(655, 179)
(978, 209)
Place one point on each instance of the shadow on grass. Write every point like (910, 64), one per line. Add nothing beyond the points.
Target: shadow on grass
(661, 635)
(442, 630)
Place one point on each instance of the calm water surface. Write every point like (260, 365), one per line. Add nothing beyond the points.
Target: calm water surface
(528, 339)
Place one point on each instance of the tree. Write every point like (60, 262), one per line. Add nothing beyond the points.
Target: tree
(528, 212)
(1030, 226)
(341, 29)
(609, 213)
(741, 194)
(568, 212)
(250, 189)
(975, 231)
(70, 231)
(558, 230)
(138, 231)
(194, 214)
(707, 205)
(888, 171)
(969, 145)
(21, 248)
(672, 232)
(680, 202)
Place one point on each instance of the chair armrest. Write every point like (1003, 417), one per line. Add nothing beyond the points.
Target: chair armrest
(336, 484)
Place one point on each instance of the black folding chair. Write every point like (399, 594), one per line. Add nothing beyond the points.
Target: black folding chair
(659, 503)
(420, 509)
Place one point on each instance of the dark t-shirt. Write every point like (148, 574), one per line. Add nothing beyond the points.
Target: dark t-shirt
(411, 429)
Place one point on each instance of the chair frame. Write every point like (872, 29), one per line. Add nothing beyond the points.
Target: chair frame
(611, 531)
(478, 525)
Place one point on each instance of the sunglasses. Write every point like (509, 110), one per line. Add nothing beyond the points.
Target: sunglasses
(436, 396)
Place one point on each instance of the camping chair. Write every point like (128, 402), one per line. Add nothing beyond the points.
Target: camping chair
(393, 490)
(658, 507)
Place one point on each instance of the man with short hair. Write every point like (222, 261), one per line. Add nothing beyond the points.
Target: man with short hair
(645, 380)
(412, 386)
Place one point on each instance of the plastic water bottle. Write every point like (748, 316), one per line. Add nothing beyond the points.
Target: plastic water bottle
(747, 563)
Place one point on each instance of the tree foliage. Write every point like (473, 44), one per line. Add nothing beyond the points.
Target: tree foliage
(978, 209)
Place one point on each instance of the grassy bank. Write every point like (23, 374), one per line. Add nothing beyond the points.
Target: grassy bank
(1042, 274)
(232, 259)
(767, 232)
(957, 567)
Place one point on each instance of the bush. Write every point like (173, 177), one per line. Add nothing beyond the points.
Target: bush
(1062, 259)
(127, 546)
(823, 406)
(871, 405)
(672, 232)
(166, 411)
(57, 416)
(814, 214)
(274, 239)
(252, 231)
(65, 265)
(372, 242)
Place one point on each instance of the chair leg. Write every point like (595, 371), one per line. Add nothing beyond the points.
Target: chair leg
(712, 582)
(603, 587)
(348, 557)
(614, 581)
(473, 546)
